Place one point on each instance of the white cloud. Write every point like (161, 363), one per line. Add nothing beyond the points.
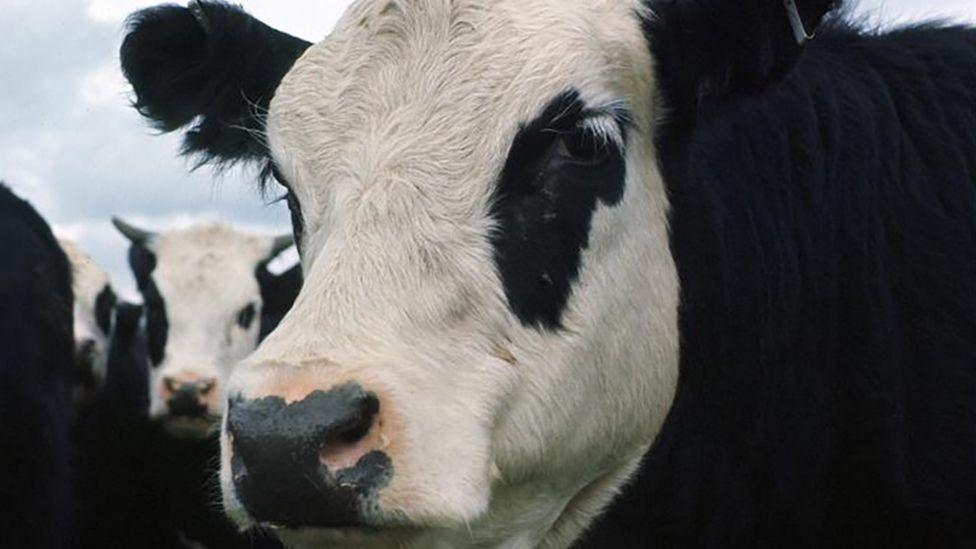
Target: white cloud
(104, 87)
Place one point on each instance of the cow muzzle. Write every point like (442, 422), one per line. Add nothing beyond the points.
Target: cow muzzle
(315, 463)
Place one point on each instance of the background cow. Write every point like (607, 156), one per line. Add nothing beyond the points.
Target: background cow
(541, 238)
(94, 315)
(35, 379)
(203, 289)
(140, 485)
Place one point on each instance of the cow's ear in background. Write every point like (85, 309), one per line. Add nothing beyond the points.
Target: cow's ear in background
(135, 235)
(709, 51)
(141, 258)
(278, 294)
(209, 66)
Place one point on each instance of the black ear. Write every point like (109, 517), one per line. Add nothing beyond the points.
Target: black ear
(210, 66)
(278, 294)
(709, 51)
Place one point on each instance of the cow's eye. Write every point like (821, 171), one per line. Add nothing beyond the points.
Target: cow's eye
(294, 208)
(246, 316)
(297, 225)
(582, 146)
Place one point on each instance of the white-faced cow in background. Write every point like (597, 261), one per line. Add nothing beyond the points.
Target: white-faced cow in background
(549, 244)
(203, 290)
(94, 311)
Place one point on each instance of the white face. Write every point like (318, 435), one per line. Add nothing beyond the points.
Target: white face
(93, 314)
(515, 391)
(203, 316)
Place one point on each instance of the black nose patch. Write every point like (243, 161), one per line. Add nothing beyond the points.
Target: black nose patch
(277, 471)
(186, 402)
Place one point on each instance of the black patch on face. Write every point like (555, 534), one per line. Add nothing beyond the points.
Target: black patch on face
(276, 467)
(104, 307)
(246, 316)
(143, 263)
(555, 175)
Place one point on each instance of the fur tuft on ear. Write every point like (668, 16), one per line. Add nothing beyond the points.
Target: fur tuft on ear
(709, 51)
(212, 67)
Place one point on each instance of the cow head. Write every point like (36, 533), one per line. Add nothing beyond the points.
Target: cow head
(94, 315)
(486, 342)
(202, 288)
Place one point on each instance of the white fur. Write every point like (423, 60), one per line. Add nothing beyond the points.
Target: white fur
(205, 275)
(392, 133)
(88, 280)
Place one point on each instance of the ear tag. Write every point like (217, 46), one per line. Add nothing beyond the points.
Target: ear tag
(796, 23)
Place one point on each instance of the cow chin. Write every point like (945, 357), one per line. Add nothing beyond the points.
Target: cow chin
(190, 427)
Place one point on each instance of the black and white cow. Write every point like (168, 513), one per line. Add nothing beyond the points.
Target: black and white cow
(553, 246)
(204, 290)
(36, 347)
(94, 316)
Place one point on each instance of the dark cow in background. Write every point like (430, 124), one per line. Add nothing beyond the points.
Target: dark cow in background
(36, 347)
(559, 250)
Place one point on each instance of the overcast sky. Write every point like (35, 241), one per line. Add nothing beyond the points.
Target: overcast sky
(71, 145)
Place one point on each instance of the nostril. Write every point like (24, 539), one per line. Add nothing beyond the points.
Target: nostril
(353, 439)
(359, 421)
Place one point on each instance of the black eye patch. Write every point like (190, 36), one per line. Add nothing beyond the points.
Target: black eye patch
(143, 263)
(104, 309)
(557, 172)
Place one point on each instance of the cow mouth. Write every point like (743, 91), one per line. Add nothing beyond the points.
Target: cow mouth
(359, 536)
(200, 426)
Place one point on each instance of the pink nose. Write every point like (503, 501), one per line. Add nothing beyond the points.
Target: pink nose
(188, 398)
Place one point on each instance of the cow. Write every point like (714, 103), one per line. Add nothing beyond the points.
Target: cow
(203, 289)
(35, 379)
(603, 273)
(94, 314)
(141, 481)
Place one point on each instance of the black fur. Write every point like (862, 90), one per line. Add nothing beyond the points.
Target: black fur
(36, 307)
(105, 309)
(711, 51)
(278, 294)
(211, 67)
(143, 263)
(824, 229)
(555, 176)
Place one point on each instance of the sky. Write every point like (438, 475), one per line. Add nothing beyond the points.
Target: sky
(70, 143)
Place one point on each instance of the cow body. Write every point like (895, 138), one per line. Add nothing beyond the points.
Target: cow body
(35, 379)
(553, 247)
(825, 234)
